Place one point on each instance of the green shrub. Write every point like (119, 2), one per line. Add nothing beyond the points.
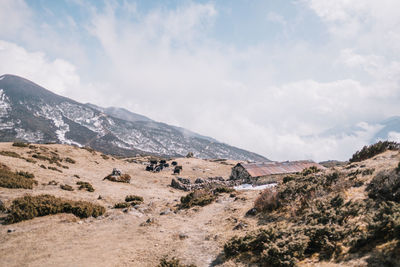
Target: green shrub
(20, 144)
(85, 186)
(66, 187)
(29, 207)
(370, 151)
(105, 157)
(42, 166)
(201, 197)
(10, 179)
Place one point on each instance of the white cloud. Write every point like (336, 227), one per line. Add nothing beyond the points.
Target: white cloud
(58, 74)
(273, 99)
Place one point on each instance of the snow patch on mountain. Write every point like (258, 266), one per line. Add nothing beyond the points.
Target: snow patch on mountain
(29, 136)
(85, 117)
(5, 108)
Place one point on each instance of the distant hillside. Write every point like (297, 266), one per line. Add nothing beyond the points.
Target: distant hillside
(31, 113)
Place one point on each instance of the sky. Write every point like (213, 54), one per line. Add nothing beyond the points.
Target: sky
(270, 76)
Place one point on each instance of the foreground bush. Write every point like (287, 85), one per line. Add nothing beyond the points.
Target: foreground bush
(10, 179)
(267, 201)
(29, 207)
(385, 185)
(370, 151)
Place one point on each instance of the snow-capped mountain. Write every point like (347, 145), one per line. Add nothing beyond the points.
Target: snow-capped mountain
(31, 113)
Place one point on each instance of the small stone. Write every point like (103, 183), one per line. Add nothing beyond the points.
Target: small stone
(166, 212)
(183, 236)
(10, 230)
(251, 212)
(240, 226)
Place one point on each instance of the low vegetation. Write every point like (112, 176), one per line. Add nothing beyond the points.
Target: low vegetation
(17, 179)
(66, 187)
(308, 216)
(85, 186)
(10, 154)
(173, 262)
(200, 197)
(121, 205)
(69, 160)
(134, 200)
(54, 169)
(370, 151)
(29, 207)
(20, 144)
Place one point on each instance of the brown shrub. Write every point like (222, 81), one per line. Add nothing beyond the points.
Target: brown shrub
(69, 160)
(10, 179)
(10, 154)
(200, 197)
(29, 207)
(54, 169)
(85, 186)
(173, 262)
(121, 205)
(66, 187)
(267, 201)
(20, 144)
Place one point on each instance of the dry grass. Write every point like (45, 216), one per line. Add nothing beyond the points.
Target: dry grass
(66, 187)
(29, 207)
(10, 179)
(85, 186)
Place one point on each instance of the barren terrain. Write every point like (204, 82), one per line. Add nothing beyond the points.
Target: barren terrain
(128, 238)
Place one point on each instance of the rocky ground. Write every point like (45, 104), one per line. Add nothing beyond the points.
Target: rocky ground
(140, 235)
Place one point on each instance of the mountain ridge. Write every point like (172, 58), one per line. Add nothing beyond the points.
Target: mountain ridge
(29, 112)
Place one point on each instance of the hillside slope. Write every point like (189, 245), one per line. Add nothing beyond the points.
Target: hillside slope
(31, 113)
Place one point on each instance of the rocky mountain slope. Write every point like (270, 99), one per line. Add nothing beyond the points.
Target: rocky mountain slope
(29, 112)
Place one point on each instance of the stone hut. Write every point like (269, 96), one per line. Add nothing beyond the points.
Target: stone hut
(269, 172)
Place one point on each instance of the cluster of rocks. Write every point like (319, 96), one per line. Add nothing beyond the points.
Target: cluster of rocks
(200, 183)
(117, 176)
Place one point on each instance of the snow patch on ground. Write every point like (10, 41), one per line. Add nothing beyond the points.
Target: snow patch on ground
(254, 187)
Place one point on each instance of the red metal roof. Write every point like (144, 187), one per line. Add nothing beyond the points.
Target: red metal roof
(270, 168)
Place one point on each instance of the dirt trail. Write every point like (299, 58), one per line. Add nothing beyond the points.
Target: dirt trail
(118, 238)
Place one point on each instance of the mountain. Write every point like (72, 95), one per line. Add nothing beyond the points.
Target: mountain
(31, 113)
